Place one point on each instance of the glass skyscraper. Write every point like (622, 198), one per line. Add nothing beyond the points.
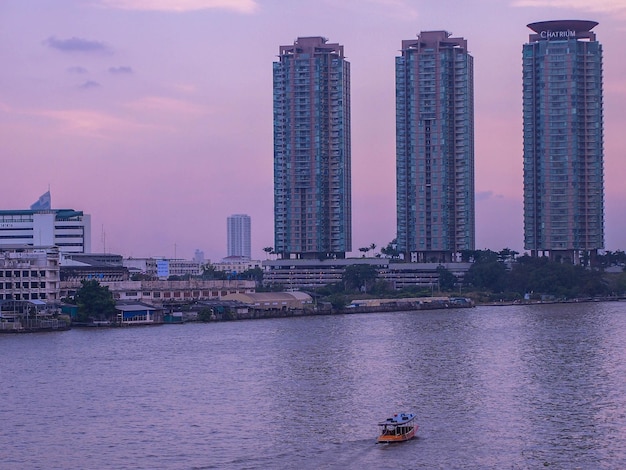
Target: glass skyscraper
(563, 148)
(238, 228)
(435, 147)
(312, 188)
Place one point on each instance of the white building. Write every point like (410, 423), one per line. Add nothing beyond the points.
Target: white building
(239, 234)
(67, 229)
(162, 267)
(237, 264)
(29, 273)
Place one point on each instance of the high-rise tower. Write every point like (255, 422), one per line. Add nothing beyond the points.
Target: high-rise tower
(238, 234)
(312, 189)
(435, 147)
(563, 148)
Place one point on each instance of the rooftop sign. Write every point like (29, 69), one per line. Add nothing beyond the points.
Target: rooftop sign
(567, 34)
(562, 29)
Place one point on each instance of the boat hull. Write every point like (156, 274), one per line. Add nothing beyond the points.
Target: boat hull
(389, 438)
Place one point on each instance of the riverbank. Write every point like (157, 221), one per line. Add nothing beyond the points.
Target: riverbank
(355, 307)
(505, 303)
(33, 326)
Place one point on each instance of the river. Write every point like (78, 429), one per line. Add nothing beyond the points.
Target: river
(512, 387)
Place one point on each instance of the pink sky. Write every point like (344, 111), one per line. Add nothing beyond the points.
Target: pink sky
(155, 116)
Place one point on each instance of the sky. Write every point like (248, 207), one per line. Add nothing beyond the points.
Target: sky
(155, 116)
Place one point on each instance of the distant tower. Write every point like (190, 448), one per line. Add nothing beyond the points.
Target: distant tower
(312, 187)
(563, 148)
(198, 256)
(44, 203)
(238, 234)
(435, 147)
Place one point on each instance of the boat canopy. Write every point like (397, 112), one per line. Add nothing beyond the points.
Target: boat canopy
(400, 418)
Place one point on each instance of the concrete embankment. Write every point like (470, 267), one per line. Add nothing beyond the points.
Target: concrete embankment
(33, 326)
(362, 306)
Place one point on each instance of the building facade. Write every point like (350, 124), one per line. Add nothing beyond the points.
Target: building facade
(236, 265)
(312, 167)
(238, 232)
(68, 229)
(166, 292)
(434, 147)
(313, 273)
(29, 273)
(563, 146)
(102, 267)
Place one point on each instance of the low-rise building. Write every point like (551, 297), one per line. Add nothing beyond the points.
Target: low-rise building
(402, 275)
(30, 315)
(167, 292)
(137, 313)
(237, 264)
(273, 300)
(310, 274)
(29, 273)
(103, 267)
(163, 268)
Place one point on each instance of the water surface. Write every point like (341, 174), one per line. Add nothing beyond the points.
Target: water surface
(518, 387)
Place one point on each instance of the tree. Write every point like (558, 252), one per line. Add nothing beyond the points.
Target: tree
(209, 272)
(94, 302)
(364, 250)
(391, 250)
(206, 314)
(447, 280)
(565, 280)
(487, 272)
(507, 255)
(269, 250)
(254, 274)
(142, 277)
(357, 276)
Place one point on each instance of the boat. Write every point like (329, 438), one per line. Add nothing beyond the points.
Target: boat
(399, 428)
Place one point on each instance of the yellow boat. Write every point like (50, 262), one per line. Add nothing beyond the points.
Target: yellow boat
(401, 427)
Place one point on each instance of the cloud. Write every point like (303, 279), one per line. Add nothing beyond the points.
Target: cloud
(168, 106)
(75, 44)
(77, 70)
(88, 123)
(600, 6)
(238, 6)
(122, 70)
(400, 9)
(89, 84)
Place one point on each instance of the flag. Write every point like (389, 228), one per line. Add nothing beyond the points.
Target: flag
(43, 203)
